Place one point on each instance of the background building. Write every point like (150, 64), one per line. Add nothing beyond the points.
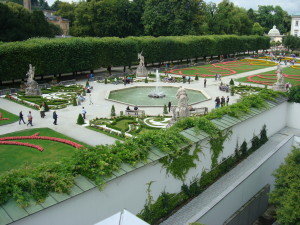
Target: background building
(58, 20)
(275, 35)
(295, 25)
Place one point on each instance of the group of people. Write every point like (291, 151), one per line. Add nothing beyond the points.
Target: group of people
(218, 77)
(221, 101)
(224, 87)
(126, 80)
(30, 118)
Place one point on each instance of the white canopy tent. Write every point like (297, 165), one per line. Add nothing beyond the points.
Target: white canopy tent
(122, 218)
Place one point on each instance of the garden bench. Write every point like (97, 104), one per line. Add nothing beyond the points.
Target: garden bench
(135, 112)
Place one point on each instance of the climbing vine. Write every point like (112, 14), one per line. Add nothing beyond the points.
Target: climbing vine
(216, 145)
(180, 164)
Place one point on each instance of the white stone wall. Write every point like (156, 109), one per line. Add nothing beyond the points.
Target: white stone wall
(129, 191)
(293, 115)
(245, 188)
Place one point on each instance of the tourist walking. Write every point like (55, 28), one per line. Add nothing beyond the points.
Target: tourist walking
(205, 80)
(21, 118)
(218, 101)
(115, 81)
(222, 101)
(55, 118)
(90, 97)
(29, 118)
(216, 77)
(42, 111)
(189, 79)
(169, 106)
(227, 100)
(83, 112)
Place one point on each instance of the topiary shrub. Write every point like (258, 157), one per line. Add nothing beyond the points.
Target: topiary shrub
(113, 111)
(74, 101)
(146, 80)
(105, 81)
(196, 78)
(231, 82)
(263, 135)
(87, 84)
(244, 148)
(165, 109)
(255, 143)
(80, 119)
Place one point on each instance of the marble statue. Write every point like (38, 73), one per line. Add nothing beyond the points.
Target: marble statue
(279, 85)
(32, 87)
(279, 74)
(181, 95)
(141, 70)
(142, 60)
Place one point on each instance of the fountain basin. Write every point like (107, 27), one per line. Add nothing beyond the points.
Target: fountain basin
(138, 95)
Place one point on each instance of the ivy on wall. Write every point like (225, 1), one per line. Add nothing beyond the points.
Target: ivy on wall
(180, 164)
(155, 212)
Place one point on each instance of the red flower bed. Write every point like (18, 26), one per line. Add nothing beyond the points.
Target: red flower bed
(6, 140)
(4, 118)
(22, 144)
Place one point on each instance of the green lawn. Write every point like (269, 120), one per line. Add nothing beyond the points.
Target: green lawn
(13, 156)
(223, 68)
(269, 78)
(12, 117)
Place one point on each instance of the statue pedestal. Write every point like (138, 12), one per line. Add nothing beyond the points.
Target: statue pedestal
(32, 89)
(279, 87)
(141, 71)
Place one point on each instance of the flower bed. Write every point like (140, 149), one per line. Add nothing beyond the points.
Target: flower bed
(22, 144)
(6, 140)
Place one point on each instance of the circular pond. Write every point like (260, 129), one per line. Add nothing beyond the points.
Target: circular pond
(139, 96)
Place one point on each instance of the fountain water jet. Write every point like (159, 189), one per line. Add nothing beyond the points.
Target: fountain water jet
(157, 93)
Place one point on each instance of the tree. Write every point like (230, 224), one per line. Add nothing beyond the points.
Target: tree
(291, 42)
(66, 10)
(257, 29)
(286, 194)
(107, 18)
(17, 23)
(169, 18)
(268, 16)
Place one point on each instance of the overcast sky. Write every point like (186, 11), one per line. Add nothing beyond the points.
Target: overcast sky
(291, 6)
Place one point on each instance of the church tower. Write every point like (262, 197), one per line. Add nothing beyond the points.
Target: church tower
(27, 4)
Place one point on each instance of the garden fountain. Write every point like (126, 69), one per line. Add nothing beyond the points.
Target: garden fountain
(157, 92)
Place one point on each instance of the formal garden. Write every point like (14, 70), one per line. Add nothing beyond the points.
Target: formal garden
(55, 97)
(291, 75)
(224, 68)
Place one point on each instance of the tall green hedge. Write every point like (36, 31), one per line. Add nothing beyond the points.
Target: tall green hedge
(54, 56)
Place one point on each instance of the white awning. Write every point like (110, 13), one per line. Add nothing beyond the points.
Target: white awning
(122, 218)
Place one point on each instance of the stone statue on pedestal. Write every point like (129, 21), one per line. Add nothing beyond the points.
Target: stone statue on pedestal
(141, 71)
(183, 109)
(279, 85)
(32, 88)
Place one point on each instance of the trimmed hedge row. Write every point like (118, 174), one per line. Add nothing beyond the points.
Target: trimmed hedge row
(54, 56)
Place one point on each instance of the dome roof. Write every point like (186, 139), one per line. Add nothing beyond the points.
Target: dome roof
(274, 32)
